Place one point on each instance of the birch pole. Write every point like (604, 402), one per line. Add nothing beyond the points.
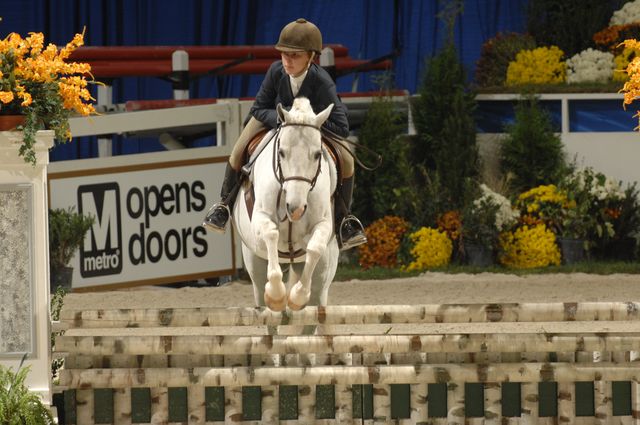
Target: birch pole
(159, 405)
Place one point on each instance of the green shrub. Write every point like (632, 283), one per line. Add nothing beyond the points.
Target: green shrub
(387, 190)
(444, 119)
(66, 233)
(18, 405)
(531, 155)
(496, 53)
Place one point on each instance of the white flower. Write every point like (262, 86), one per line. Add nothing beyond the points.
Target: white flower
(601, 187)
(628, 14)
(590, 66)
(506, 216)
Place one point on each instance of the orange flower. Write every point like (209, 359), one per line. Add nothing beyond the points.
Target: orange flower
(613, 212)
(450, 223)
(37, 82)
(384, 237)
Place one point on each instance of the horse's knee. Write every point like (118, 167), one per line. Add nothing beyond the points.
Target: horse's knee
(315, 250)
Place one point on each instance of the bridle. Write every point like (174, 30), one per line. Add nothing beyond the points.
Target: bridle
(277, 168)
(277, 171)
(276, 160)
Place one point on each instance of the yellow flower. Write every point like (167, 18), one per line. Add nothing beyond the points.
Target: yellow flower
(432, 248)
(542, 65)
(622, 62)
(529, 247)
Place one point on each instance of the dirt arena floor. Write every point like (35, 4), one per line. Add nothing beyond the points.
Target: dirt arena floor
(429, 288)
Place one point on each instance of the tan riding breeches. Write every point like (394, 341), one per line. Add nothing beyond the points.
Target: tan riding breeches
(249, 131)
(253, 127)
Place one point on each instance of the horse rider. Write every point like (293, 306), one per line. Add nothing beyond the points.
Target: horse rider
(296, 74)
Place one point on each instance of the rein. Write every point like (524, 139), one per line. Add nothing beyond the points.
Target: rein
(339, 140)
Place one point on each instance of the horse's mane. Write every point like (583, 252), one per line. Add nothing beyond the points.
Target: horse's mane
(301, 112)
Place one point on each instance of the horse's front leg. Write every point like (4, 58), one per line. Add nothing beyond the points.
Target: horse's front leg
(301, 291)
(275, 292)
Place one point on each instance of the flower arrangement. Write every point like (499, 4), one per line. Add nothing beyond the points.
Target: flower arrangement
(542, 65)
(384, 238)
(529, 247)
(590, 66)
(37, 82)
(613, 211)
(486, 217)
(506, 215)
(627, 14)
(622, 62)
(543, 205)
(496, 53)
(450, 223)
(431, 248)
(610, 38)
(631, 88)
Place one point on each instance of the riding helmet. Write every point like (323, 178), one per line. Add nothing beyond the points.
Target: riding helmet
(300, 35)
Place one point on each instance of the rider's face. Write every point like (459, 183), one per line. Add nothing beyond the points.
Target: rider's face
(295, 63)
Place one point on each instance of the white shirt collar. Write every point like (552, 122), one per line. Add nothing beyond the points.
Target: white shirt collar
(296, 82)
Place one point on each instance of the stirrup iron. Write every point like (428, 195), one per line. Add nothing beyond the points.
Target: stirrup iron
(355, 241)
(211, 226)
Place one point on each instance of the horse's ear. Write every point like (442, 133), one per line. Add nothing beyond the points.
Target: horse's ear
(322, 116)
(283, 115)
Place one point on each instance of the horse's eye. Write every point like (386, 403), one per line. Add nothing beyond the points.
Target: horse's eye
(316, 156)
(281, 153)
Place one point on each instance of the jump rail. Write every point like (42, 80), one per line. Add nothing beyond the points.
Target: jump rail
(438, 364)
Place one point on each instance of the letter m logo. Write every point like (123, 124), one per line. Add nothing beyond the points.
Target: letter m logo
(101, 253)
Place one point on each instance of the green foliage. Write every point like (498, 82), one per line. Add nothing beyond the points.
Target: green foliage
(531, 155)
(479, 223)
(496, 53)
(628, 222)
(18, 405)
(355, 272)
(444, 119)
(617, 219)
(576, 219)
(387, 190)
(66, 233)
(569, 24)
(57, 301)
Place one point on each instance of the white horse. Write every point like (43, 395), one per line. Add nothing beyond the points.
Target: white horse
(293, 179)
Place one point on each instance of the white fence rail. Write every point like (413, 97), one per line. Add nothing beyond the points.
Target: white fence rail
(494, 363)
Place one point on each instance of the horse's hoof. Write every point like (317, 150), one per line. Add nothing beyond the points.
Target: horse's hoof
(275, 305)
(295, 307)
(298, 297)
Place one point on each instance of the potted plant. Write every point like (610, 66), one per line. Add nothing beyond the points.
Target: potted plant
(624, 215)
(482, 222)
(37, 83)
(574, 219)
(572, 233)
(67, 230)
(18, 405)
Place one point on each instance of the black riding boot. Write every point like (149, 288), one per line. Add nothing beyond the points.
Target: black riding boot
(349, 230)
(219, 213)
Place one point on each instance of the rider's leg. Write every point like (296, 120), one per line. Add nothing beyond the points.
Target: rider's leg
(349, 230)
(219, 213)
